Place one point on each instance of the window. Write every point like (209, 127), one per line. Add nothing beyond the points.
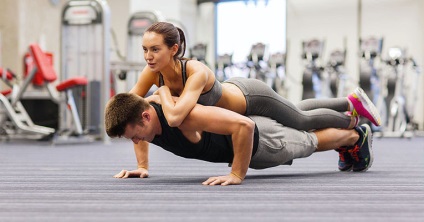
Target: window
(241, 24)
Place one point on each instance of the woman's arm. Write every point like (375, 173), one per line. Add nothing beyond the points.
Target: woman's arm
(145, 81)
(176, 111)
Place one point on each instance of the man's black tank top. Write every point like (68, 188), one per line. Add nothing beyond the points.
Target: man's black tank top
(212, 147)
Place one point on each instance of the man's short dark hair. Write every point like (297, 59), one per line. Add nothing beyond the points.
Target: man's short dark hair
(121, 110)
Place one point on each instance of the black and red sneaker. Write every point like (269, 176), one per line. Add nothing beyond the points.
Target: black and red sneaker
(361, 153)
(345, 159)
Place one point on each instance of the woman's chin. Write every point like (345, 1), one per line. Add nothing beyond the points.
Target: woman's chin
(153, 68)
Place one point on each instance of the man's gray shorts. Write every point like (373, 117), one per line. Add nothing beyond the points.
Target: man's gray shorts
(280, 145)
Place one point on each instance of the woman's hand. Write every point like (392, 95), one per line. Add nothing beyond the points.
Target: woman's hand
(153, 98)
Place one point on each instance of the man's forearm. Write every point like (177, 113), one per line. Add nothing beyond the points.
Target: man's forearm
(242, 146)
(142, 154)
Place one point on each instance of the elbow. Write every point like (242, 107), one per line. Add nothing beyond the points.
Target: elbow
(252, 125)
(248, 125)
(174, 121)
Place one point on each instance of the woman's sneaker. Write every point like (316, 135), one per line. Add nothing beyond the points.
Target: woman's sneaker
(361, 152)
(363, 106)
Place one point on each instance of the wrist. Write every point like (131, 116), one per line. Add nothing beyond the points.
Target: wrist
(142, 167)
(236, 175)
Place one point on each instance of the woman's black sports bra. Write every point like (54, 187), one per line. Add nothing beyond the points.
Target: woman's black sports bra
(209, 98)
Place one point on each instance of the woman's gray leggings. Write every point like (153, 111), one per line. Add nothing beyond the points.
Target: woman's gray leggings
(309, 114)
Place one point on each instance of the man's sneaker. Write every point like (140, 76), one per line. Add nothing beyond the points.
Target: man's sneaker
(361, 152)
(345, 160)
(363, 106)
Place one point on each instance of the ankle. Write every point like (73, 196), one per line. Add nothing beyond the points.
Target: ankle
(358, 135)
(354, 137)
(354, 122)
(349, 105)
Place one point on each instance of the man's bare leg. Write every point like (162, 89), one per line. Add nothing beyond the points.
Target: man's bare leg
(330, 139)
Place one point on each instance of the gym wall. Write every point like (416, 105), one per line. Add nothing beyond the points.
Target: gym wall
(23, 22)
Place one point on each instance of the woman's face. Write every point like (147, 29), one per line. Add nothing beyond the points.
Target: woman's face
(156, 53)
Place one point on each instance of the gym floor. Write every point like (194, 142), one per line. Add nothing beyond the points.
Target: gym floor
(41, 182)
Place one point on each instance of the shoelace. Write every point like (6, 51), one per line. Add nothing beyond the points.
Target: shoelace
(341, 154)
(354, 113)
(355, 152)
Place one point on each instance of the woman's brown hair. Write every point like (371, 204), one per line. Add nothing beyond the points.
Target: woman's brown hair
(171, 35)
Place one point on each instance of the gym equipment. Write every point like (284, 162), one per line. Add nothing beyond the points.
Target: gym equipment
(372, 78)
(198, 52)
(400, 117)
(340, 82)
(369, 79)
(85, 45)
(223, 67)
(7, 76)
(129, 67)
(277, 64)
(258, 67)
(48, 75)
(316, 83)
(44, 73)
(14, 120)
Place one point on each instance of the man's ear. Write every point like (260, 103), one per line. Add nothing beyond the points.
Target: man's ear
(145, 115)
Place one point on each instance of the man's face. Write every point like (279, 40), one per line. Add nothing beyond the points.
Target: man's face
(136, 132)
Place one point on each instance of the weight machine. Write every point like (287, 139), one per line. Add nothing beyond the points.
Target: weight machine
(85, 51)
(129, 67)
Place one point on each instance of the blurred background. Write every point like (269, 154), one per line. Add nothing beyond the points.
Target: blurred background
(300, 48)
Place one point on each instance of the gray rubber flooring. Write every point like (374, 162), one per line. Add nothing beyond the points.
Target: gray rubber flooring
(40, 182)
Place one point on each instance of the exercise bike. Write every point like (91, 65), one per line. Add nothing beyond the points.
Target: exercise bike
(400, 122)
(257, 65)
(372, 79)
(340, 82)
(223, 67)
(277, 64)
(316, 82)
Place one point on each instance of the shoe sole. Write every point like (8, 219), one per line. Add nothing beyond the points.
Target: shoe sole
(369, 141)
(346, 170)
(368, 104)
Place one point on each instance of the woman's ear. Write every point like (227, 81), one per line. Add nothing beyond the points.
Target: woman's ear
(175, 49)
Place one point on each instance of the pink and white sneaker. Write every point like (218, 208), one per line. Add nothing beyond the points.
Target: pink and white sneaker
(363, 106)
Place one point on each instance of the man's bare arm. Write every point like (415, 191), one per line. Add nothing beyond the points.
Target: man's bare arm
(141, 151)
(221, 121)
